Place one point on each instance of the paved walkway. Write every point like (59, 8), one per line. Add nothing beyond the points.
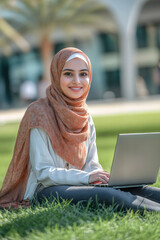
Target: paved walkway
(97, 108)
(122, 107)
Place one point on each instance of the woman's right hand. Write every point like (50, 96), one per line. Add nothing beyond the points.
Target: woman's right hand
(99, 176)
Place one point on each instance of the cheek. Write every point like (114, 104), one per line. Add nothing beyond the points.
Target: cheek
(63, 82)
(86, 82)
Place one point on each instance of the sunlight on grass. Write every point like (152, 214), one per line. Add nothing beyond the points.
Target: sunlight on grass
(107, 129)
(8, 134)
(66, 221)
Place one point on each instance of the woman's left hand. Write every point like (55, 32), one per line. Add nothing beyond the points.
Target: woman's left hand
(99, 176)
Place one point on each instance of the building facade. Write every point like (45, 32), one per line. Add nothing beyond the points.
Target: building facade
(125, 62)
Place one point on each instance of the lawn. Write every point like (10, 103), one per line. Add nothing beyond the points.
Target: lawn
(67, 221)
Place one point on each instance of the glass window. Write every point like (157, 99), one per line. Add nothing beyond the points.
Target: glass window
(158, 36)
(59, 46)
(109, 42)
(141, 36)
(23, 67)
(112, 84)
(147, 74)
(5, 81)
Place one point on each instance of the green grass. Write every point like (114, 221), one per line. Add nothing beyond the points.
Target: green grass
(67, 221)
(7, 140)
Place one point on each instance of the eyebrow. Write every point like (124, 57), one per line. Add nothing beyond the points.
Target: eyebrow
(68, 69)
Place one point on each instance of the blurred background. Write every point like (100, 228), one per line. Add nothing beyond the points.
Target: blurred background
(121, 38)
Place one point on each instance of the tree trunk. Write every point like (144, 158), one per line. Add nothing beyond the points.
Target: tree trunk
(46, 53)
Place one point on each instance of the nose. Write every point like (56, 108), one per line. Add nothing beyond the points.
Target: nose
(76, 78)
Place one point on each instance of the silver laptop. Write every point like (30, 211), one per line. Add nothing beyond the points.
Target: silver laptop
(136, 160)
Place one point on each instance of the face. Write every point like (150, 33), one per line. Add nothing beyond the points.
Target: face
(74, 80)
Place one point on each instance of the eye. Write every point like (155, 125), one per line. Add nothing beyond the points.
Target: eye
(68, 74)
(84, 74)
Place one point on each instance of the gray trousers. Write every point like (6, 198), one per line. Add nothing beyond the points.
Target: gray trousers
(138, 198)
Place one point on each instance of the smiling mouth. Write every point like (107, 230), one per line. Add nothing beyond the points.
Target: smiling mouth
(75, 89)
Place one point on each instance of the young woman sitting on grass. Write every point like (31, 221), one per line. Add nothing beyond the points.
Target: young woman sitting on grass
(55, 152)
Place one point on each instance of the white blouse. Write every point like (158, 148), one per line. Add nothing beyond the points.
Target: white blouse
(47, 168)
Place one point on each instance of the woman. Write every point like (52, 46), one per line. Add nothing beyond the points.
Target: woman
(55, 151)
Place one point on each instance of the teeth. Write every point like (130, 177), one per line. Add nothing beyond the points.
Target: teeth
(76, 88)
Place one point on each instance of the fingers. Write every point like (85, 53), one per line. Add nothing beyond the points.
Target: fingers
(99, 176)
(103, 173)
(103, 178)
(108, 174)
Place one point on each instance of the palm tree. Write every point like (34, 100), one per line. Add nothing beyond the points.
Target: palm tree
(41, 21)
(8, 31)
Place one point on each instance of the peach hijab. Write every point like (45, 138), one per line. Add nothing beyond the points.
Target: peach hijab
(65, 120)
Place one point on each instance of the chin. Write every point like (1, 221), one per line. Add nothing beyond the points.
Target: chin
(75, 97)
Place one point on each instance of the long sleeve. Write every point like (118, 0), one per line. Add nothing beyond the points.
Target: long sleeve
(47, 166)
(92, 162)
